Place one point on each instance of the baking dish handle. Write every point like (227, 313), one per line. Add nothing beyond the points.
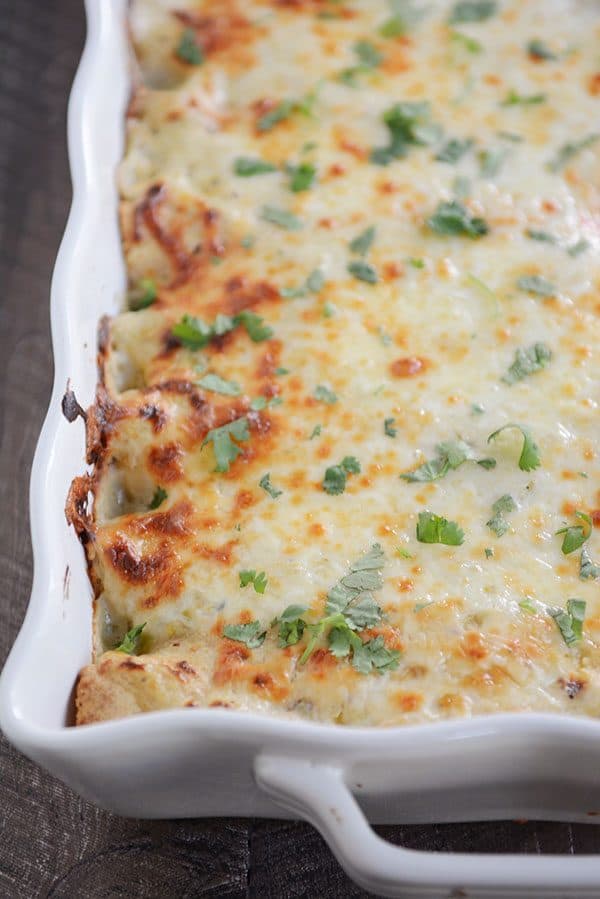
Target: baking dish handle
(318, 792)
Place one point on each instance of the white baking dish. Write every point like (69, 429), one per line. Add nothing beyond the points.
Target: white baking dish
(215, 762)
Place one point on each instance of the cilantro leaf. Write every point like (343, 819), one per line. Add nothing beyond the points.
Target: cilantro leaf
(369, 57)
(388, 427)
(498, 524)
(363, 271)
(528, 362)
(451, 217)
(454, 150)
(281, 217)
(569, 150)
(255, 326)
(580, 247)
(530, 454)
(144, 294)
(158, 499)
(513, 98)
(194, 334)
(536, 284)
(436, 529)
(130, 641)
(491, 161)
(405, 16)
(570, 623)
(251, 634)
(265, 483)
(258, 580)
(588, 570)
(291, 625)
(542, 236)
(225, 449)
(216, 384)
(325, 395)
(472, 11)
(263, 402)
(316, 431)
(279, 113)
(188, 49)
(247, 166)
(351, 596)
(301, 176)
(335, 478)
(373, 655)
(464, 40)
(450, 456)
(577, 534)
(538, 50)
(409, 124)
(363, 242)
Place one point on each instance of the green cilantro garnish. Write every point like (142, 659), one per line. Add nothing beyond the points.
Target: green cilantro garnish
(246, 166)
(188, 49)
(542, 236)
(415, 262)
(577, 534)
(225, 449)
(265, 483)
(588, 570)
(454, 150)
(142, 295)
(279, 113)
(251, 634)
(313, 284)
(491, 161)
(477, 409)
(388, 427)
(528, 362)
(580, 247)
(280, 370)
(369, 57)
(255, 326)
(537, 285)
(515, 99)
(316, 431)
(363, 271)
(489, 553)
(158, 499)
(405, 16)
(465, 41)
(216, 384)
(498, 524)
(325, 395)
(130, 641)
(570, 623)
(264, 402)
(450, 456)
(409, 125)
(248, 241)
(291, 625)
(282, 218)
(301, 176)
(539, 50)
(363, 242)
(530, 454)
(329, 310)
(336, 476)
(257, 579)
(527, 606)
(194, 334)
(472, 11)
(451, 218)
(566, 153)
(436, 529)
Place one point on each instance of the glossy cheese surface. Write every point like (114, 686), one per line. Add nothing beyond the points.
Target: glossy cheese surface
(391, 281)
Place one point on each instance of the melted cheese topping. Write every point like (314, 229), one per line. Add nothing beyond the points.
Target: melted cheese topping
(425, 340)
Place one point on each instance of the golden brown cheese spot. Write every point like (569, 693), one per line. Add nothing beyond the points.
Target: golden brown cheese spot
(133, 567)
(166, 462)
(174, 522)
(408, 366)
(407, 701)
(221, 30)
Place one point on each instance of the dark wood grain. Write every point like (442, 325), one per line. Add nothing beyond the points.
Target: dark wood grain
(52, 844)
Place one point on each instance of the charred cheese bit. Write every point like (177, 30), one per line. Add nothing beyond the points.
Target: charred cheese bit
(335, 235)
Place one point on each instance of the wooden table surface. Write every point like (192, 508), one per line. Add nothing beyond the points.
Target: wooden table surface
(51, 842)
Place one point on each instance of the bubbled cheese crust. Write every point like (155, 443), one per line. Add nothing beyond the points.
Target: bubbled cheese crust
(427, 345)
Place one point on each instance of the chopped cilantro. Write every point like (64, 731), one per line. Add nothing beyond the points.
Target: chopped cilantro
(301, 176)
(569, 150)
(436, 529)
(490, 161)
(315, 281)
(248, 241)
(515, 99)
(452, 218)
(130, 641)
(528, 362)
(329, 310)
(588, 570)
(246, 166)
(577, 534)
(158, 499)
(291, 625)
(251, 634)
(265, 483)
(282, 371)
(263, 402)
(536, 284)
(527, 606)
(489, 553)
(530, 454)
(279, 113)
(415, 262)
(541, 236)
(454, 150)
(257, 579)
(363, 242)
(144, 294)
(405, 16)
(336, 476)
(194, 334)
(570, 623)
(450, 456)
(498, 524)
(225, 449)
(472, 11)
(363, 271)
(388, 427)
(369, 57)
(580, 247)
(477, 409)
(404, 553)
(325, 395)
(465, 41)
(539, 50)
(282, 218)
(409, 124)
(316, 431)
(188, 49)
(216, 384)
(255, 326)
